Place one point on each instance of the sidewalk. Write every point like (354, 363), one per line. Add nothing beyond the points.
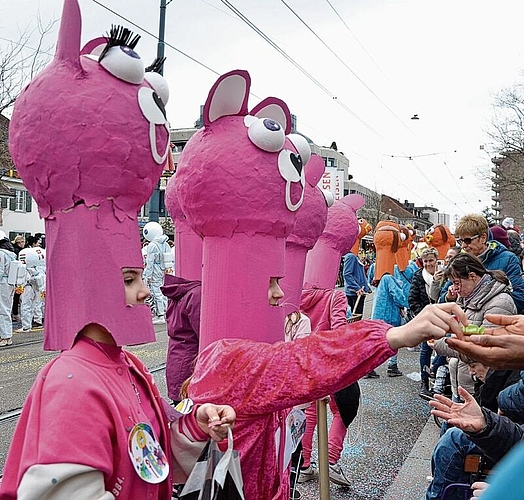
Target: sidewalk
(411, 481)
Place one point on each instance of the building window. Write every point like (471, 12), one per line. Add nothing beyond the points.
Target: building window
(22, 202)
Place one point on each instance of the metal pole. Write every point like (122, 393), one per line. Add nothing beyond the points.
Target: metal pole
(154, 201)
(323, 459)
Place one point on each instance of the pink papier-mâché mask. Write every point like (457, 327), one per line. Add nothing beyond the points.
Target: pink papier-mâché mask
(340, 234)
(240, 181)
(188, 244)
(89, 137)
(310, 223)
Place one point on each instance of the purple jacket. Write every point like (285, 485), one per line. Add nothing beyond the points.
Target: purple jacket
(183, 325)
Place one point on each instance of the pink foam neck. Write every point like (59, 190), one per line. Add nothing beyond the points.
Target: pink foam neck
(322, 265)
(235, 282)
(188, 252)
(76, 297)
(293, 280)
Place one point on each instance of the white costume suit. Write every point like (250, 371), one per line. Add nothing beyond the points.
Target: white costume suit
(155, 271)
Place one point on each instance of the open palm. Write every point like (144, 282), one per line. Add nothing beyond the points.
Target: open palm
(467, 416)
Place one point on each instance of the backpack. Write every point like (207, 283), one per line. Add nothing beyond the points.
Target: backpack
(17, 273)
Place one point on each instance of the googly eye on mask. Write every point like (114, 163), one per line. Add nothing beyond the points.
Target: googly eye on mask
(265, 133)
(119, 57)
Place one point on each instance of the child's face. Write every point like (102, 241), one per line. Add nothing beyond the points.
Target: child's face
(274, 293)
(135, 289)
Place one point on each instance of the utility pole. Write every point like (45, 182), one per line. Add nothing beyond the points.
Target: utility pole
(154, 202)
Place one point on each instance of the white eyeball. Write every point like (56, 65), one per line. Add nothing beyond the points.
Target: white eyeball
(124, 63)
(303, 147)
(151, 106)
(328, 196)
(159, 84)
(266, 134)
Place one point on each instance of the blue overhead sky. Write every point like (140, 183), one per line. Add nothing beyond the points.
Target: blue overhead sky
(375, 63)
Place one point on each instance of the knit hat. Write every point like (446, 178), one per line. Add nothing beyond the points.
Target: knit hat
(500, 234)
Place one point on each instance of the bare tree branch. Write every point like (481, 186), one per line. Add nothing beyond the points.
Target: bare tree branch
(19, 62)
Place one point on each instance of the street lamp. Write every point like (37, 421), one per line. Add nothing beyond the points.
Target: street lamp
(154, 201)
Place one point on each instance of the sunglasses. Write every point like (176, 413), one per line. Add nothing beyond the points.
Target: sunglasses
(467, 241)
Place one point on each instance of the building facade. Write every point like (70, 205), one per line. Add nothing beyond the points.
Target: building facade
(508, 188)
(18, 210)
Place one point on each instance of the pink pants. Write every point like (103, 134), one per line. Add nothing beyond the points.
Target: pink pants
(337, 433)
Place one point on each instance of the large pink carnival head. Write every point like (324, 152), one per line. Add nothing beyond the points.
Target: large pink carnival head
(342, 229)
(240, 181)
(188, 244)
(310, 223)
(89, 137)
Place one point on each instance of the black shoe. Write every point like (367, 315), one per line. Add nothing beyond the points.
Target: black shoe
(37, 325)
(427, 394)
(394, 371)
(372, 374)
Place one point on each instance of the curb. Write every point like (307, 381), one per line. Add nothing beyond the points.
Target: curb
(412, 478)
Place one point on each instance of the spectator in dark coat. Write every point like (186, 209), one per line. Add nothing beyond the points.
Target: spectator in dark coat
(418, 299)
(477, 429)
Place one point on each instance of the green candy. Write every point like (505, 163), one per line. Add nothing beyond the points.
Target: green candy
(473, 330)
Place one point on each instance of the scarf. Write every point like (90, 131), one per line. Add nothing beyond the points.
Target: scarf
(428, 278)
(484, 281)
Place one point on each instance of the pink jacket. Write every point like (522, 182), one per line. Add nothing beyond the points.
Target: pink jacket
(81, 410)
(261, 381)
(326, 308)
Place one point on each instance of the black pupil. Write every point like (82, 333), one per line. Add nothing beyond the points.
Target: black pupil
(271, 125)
(296, 160)
(159, 103)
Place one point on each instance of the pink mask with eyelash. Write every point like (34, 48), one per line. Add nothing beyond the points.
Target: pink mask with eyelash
(89, 140)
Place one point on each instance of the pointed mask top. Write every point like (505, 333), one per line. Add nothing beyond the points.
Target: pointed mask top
(68, 44)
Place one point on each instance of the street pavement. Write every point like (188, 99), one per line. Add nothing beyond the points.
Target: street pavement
(387, 450)
(388, 447)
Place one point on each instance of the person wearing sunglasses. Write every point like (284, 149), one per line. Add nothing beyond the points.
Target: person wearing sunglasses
(472, 234)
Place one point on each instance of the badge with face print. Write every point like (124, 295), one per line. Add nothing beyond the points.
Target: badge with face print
(149, 460)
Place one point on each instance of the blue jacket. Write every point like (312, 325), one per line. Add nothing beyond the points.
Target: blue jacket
(406, 276)
(389, 300)
(354, 275)
(497, 256)
(511, 401)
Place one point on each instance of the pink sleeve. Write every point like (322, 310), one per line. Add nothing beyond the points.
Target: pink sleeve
(257, 378)
(339, 307)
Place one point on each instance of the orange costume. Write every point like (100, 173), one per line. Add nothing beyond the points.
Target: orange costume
(387, 241)
(365, 228)
(404, 251)
(440, 237)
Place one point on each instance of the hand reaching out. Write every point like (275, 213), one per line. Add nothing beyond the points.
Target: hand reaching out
(499, 348)
(433, 322)
(215, 419)
(467, 416)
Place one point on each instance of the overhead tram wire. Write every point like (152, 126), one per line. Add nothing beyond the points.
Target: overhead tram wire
(436, 188)
(457, 184)
(299, 67)
(216, 73)
(156, 38)
(373, 93)
(239, 14)
(359, 42)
